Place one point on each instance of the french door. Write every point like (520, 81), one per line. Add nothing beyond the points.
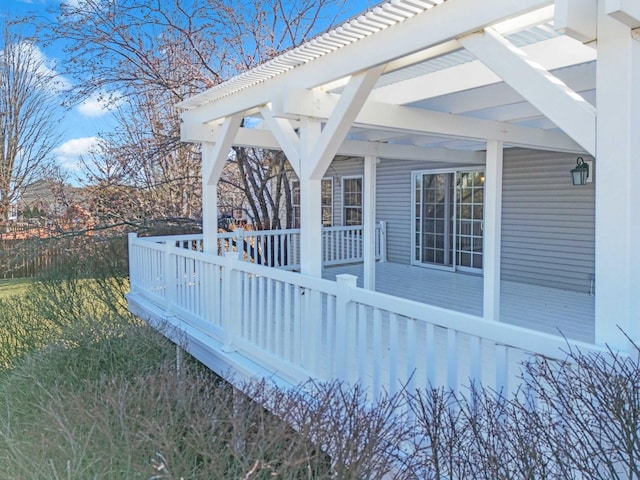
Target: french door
(448, 219)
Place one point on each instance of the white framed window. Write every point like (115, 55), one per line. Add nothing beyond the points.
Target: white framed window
(327, 202)
(352, 200)
(295, 202)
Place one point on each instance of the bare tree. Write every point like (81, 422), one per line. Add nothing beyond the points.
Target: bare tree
(28, 130)
(148, 56)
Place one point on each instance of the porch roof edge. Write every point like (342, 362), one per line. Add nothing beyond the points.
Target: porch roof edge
(369, 23)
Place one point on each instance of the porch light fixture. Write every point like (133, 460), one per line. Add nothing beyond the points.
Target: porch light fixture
(580, 173)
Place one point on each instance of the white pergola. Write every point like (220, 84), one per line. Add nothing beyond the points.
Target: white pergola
(451, 81)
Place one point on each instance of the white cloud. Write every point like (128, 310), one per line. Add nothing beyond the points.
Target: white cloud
(68, 154)
(46, 67)
(99, 104)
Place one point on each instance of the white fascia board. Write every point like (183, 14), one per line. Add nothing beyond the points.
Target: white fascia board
(553, 98)
(440, 24)
(625, 11)
(419, 121)
(552, 54)
(577, 19)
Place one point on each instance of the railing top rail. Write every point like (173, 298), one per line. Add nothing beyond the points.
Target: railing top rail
(255, 233)
(150, 244)
(199, 236)
(172, 238)
(280, 275)
(524, 339)
(342, 228)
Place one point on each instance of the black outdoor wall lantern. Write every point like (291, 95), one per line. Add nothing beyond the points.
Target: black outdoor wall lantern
(580, 173)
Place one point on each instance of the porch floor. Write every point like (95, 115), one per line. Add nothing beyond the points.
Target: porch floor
(548, 310)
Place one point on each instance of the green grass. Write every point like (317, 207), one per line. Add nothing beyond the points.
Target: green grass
(89, 392)
(14, 287)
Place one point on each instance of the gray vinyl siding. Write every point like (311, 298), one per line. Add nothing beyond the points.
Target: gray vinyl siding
(548, 225)
(393, 204)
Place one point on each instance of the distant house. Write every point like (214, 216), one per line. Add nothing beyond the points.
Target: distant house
(457, 124)
(44, 208)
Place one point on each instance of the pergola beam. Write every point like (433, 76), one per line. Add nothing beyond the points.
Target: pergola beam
(625, 11)
(408, 120)
(261, 138)
(577, 18)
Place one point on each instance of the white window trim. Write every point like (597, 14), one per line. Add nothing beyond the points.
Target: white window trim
(414, 174)
(344, 207)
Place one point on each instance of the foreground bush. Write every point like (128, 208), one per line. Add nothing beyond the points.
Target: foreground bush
(87, 391)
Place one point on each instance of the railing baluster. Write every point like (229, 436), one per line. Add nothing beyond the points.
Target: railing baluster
(363, 354)
(288, 322)
(393, 354)
(452, 359)
(475, 359)
(430, 354)
(170, 278)
(377, 353)
(501, 359)
(410, 361)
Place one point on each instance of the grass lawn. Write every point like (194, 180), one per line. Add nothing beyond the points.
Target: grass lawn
(13, 287)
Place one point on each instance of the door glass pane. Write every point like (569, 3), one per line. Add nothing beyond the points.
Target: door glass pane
(432, 208)
(448, 219)
(470, 196)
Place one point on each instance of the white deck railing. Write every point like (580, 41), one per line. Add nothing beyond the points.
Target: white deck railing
(307, 327)
(281, 248)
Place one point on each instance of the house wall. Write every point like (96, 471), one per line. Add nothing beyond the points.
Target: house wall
(393, 205)
(548, 225)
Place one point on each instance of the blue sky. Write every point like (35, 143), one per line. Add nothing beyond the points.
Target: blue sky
(81, 125)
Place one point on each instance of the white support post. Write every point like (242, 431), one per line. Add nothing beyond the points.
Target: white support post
(214, 158)
(345, 312)
(170, 277)
(209, 209)
(133, 264)
(310, 202)
(492, 229)
(369, 223)
(617, 193)
(230, 289)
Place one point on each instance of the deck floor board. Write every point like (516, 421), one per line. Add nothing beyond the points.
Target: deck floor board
(549, 310)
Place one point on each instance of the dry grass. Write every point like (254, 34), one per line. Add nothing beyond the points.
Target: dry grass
(88, 392)
(13, 287)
